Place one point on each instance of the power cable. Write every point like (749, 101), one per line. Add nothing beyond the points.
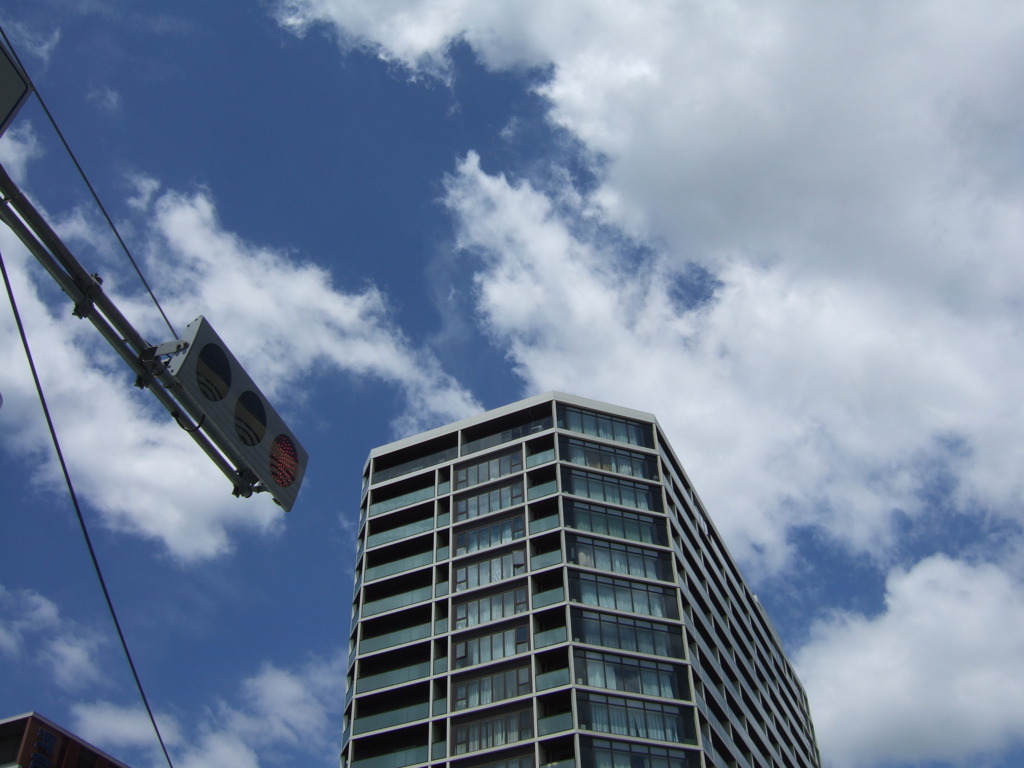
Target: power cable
(92, 191)
(78, 509)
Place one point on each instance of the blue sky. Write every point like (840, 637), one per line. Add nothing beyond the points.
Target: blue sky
(791, 231)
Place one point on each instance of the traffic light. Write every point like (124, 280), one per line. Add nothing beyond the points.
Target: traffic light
(240, 421)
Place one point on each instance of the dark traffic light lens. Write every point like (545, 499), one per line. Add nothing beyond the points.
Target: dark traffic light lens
(284, 461)
(250, 418)
(213, 373)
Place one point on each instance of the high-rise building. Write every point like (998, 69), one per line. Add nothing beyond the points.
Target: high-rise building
(541, 587)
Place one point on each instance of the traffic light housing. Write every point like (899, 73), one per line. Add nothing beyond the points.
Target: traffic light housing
(227, 405)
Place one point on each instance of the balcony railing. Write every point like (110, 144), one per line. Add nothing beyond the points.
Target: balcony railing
(397, 601)
(543, 457)
(554, 723)
(544, 524)
(397, 759)
(549, 637)
(391, 717)
(398, 637)
(536, 491)
(545, 559)
(549, 597)
(397, 566)
(422, 494)
(385, 537)
(552, 679)
(393, 677)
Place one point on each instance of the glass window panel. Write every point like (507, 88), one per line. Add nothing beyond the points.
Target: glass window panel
(627, 634)
(599, 753)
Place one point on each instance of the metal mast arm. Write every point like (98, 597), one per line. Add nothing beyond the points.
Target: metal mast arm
(90, 302)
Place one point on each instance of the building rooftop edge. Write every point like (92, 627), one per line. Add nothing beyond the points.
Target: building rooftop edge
(518, 405)
(67, 734)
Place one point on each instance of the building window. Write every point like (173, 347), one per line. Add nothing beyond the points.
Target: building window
(613, 490)
(631, 675)
(522, 761)
(617, 523)
(507, 435)
(488, 469)
(633, 717)
(487, 689)
(627, 634)
(611, 556)
(623, 595)
(490, 535)
(490, 608)
(490, 500)
(497, 645)
(608, 458)
(605, 426)
(601, 753)
(494, 569)
(494, 731)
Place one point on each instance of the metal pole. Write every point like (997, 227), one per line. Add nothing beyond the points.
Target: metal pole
(93, 304)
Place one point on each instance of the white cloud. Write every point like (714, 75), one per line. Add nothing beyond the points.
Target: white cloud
(867, 141)
(36, 44)
(19, 146)
(106, 98)
(116, 727)
(851, 179)
(279, 712)
(24, 612)
(292, 706)
(72, 660)
(846, 173)
(792, 398)
(218, 748)
(32, 629)
(938, 675)
(256, 298)
(139, 469)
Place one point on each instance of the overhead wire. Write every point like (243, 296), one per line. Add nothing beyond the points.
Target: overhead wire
(78, 510)
(88, 184)
(46, 411)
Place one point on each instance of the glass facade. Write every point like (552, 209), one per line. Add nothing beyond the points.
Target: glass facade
(616, 557)
(631, 675)
(600, 753)
(636, 717)
(491, 647)
(490, 687)
(623, 595)
(481, 610)
(627, 634)
(617, 523)
(614, 490)
(492, 731)
(482, 470)
(490, 500)
(495, 568)
(490, 534)
(540, 587)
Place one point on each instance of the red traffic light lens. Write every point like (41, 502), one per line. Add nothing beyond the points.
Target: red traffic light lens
(284, 461)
